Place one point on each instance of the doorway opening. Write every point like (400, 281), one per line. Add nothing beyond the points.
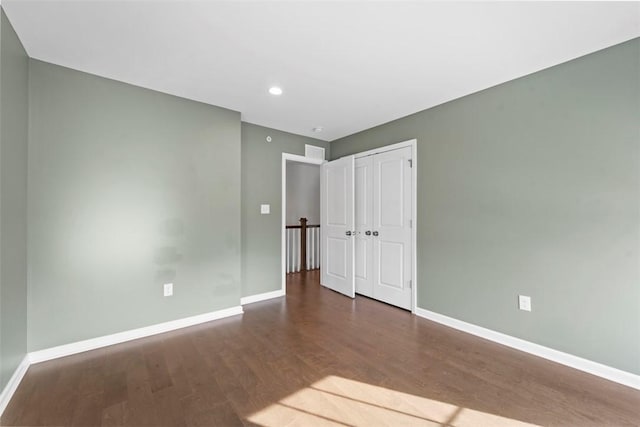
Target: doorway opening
(303, 217)
(300, 239)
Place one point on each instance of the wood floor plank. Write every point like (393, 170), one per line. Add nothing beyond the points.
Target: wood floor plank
(159, 376)
(315, 358)
(113, 415)
(88, 411)
(115, 388)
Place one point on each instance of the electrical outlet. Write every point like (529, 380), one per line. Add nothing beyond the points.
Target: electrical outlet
(524, 302)
(265, 209)
(168, 289)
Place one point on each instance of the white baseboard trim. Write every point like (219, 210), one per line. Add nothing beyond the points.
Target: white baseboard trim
(107, 340)
(594, 368)
(261, 297)
(14, 382)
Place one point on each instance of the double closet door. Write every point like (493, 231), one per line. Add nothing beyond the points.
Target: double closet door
(383, 221)
(366, 220)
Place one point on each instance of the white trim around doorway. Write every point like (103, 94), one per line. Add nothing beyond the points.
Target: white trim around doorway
(287, 157)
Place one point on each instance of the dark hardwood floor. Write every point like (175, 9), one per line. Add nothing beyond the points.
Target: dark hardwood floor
(315, 358)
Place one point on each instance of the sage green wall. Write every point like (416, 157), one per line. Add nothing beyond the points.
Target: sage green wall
(13, 200)
(262, 183)
(128, 189)
(533, 187)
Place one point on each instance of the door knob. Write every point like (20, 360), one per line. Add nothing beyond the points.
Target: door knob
(375, 233)
(348, 233)
(368, 232)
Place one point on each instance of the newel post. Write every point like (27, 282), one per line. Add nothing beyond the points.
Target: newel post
(303, 244)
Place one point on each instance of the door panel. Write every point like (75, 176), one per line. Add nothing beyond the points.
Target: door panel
(362, 264)
(364, 223)
(390, 174)
(390, 262)
(391, 220)
(336, 225)
(336, 260)
(337, 206)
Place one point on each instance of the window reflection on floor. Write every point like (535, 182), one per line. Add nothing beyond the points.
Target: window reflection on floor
(339, 401)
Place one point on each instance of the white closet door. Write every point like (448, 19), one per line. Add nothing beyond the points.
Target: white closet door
(364, 225)
(392, 227)
(337, 225)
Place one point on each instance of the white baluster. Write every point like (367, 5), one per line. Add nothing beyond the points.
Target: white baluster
(309, 251)
(291, 250)
(315, 248)
(296, 250)
(288, 242)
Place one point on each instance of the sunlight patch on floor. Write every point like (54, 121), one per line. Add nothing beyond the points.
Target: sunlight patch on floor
(339, 401)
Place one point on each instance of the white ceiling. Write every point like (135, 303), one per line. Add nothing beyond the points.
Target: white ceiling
(345, 66)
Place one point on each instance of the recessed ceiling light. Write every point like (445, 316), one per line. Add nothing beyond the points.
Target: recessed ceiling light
(275, 90)
(317, 129)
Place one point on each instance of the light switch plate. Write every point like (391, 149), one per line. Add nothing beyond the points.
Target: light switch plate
(168, 289)
(265, 209)
(524, 302)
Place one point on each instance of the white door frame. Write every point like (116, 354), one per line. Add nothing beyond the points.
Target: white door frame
(413, 143)
(287, 157)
